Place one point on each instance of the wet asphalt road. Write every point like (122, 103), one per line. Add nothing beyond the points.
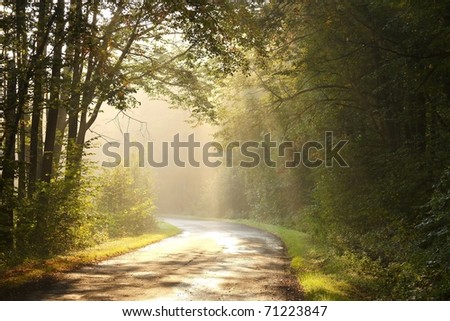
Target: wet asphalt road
(209, 260)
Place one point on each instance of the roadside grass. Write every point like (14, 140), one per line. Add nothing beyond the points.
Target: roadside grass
(321, 275)
(34, 270)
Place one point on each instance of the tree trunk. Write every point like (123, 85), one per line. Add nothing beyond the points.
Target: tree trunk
(8, 161)
(22, 156)
(61, 125)
(54, 102)
(75, 87)
(38, 102)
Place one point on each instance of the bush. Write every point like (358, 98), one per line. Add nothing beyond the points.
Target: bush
(58, 218)
(126, 200)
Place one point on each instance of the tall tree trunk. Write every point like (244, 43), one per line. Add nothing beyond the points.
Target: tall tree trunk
(38, 102)
(93, 78)
(61, 125)
(8, 161)
(75, 87)
(54, 102)
(16, 98)
(88, 97)
(22, 58)
(22, 156)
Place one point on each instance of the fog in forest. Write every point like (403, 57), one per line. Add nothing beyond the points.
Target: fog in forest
(178, 190)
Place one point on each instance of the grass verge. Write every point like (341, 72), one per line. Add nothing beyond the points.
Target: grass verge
(34, 270)
(322, 276)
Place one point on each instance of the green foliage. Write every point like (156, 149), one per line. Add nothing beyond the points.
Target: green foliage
(69, 59)
(374, 73)
(435, 238)
(57, 219)
(126, 200)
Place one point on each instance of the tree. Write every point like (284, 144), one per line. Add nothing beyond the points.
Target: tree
(67, 61)
(374, 73)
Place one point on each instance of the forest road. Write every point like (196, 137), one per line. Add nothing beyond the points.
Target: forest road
(209, 260)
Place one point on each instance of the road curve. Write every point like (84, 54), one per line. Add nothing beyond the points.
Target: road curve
(208, 261)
